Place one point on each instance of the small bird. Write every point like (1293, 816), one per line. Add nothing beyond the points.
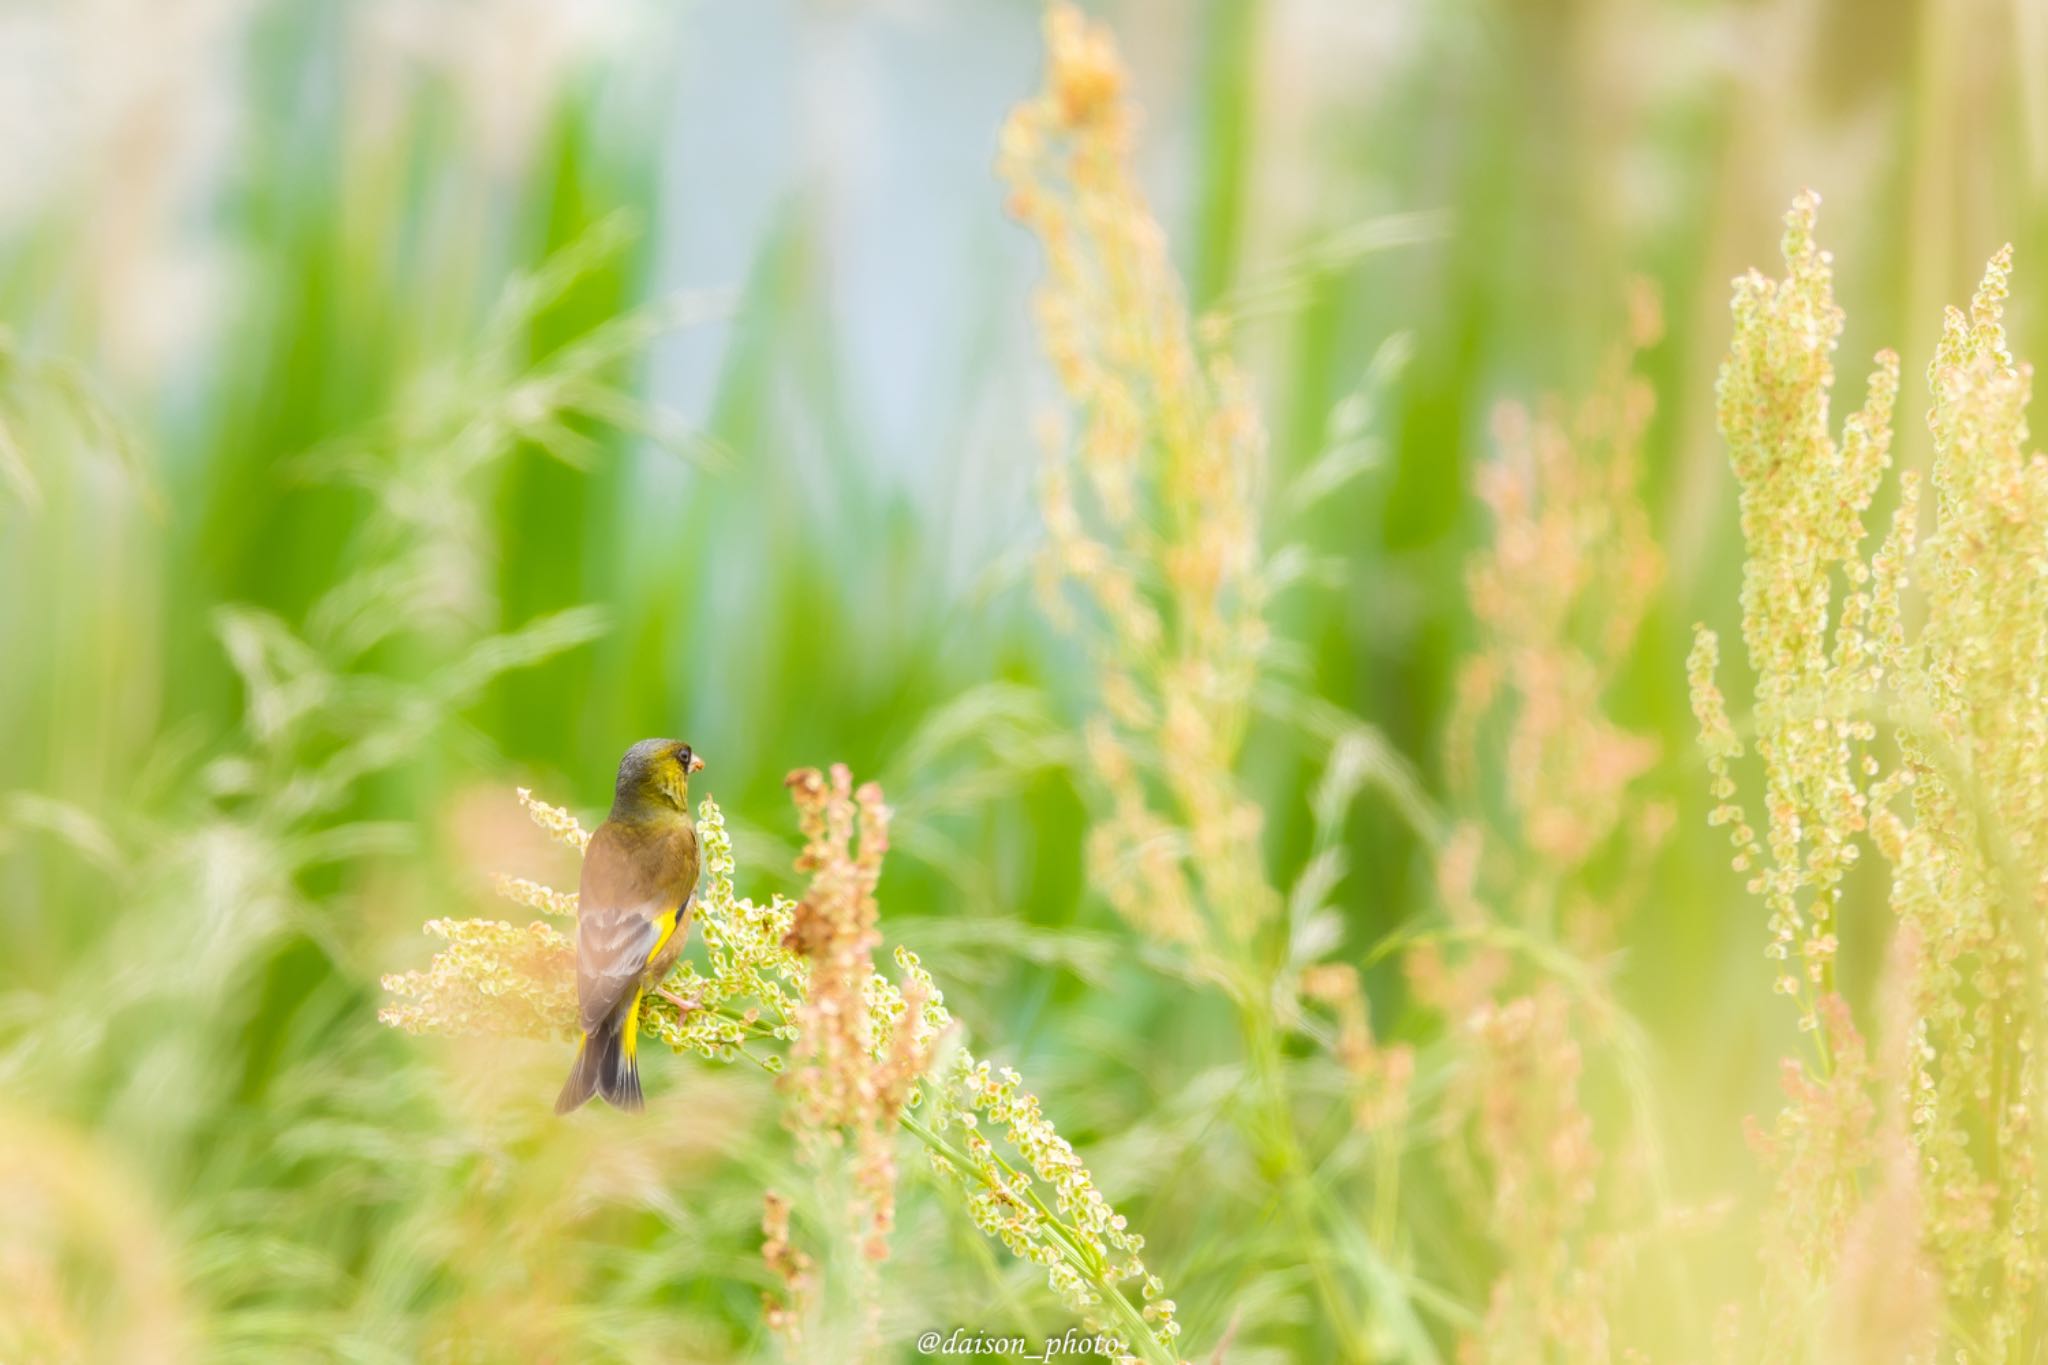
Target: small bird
(639, 881)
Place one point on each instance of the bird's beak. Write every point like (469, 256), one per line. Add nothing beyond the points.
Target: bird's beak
(696, 763)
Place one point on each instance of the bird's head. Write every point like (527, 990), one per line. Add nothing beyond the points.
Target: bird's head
(654, 779)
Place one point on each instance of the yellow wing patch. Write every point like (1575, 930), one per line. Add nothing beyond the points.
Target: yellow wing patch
(668, 930)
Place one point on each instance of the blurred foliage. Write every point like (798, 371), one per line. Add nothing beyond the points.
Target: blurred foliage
(401, 402)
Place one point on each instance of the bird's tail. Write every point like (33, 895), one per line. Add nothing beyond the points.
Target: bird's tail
(606, 1065)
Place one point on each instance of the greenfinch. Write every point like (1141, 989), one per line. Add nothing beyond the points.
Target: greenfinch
(639, 878)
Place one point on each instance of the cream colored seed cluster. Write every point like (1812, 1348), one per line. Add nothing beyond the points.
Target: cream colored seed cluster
(1804, 495)
(755, 985)
(492, 978)
(1081, 1240)
(559, 823)
(1971, 864)
(1150, 511)
(536, 896)
(1961, 813)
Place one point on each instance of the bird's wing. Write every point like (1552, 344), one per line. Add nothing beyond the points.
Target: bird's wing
(612, 946)
(634, 885)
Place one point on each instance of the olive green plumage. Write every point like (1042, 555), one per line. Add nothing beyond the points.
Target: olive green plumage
(633, 915)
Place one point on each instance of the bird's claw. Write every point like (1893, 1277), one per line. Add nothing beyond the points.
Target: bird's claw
(683, 1007)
